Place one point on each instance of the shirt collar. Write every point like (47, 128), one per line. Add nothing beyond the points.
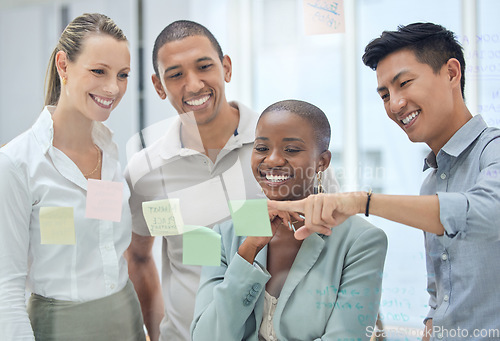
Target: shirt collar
(170, 144)
(247, 124)
(460, 141)
(43, 129)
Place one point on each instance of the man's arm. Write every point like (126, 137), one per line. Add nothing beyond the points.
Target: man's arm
(144, 274)
(419, 211)
(329, 210)
(427, 330)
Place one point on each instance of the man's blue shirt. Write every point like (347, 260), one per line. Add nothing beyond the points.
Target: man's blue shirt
(463, 265)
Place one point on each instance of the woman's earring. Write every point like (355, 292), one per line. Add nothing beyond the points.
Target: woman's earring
(319, 188)
(64, 80)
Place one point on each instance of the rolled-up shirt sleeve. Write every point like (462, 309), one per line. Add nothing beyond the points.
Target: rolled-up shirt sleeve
(15, 211)
(453, 209)
(473, 212)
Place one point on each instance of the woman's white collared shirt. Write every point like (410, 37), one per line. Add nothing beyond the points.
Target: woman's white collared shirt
(35, 174)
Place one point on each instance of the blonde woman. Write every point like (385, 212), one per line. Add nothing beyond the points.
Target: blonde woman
(79, 291)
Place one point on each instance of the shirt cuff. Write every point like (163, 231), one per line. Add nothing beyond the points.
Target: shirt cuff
(453, 212)
(240, 267)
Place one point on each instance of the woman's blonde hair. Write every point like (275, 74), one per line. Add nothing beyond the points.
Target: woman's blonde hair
(71, 42)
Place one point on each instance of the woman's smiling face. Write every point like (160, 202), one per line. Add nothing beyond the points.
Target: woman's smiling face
(286, 158)
(97, 79)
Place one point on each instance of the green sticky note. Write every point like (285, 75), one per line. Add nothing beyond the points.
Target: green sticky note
(250, 217)
(57, 225)
(163, 217)
(201, 246)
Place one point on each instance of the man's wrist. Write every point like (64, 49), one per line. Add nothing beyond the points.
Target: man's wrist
(368, 199)
(360, 201)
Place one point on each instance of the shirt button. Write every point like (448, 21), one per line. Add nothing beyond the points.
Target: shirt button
(444, 256)
(112, 286)
(443, 176)
(446, 298)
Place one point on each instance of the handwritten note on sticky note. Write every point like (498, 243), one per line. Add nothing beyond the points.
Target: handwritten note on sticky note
(163, 217)
(250, 217)
(57, 225)
(324, 16)
(201, 246)
(104, 200)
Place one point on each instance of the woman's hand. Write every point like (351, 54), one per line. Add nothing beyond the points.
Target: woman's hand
(251, 246)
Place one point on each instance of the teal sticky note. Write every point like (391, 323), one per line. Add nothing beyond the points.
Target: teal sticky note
(201, 246)
(250, 217)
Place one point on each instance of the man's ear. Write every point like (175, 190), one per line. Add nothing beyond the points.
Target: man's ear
(228, 68)
(158, 86)
(324, 160)
(454, 71)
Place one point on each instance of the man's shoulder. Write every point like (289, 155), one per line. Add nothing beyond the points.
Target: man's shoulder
(243, 108)
(140, 162)
(489, 140)
(489, 134)
(489, 147)
(155, 143)
(246, 113)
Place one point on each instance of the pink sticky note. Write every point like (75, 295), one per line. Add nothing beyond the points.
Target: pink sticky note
(104, 200)
(324, 16)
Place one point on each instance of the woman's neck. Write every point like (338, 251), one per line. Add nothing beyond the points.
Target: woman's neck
(281, 253)
(72, 130)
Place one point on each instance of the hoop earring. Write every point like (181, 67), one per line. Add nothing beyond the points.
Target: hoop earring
(319, 188)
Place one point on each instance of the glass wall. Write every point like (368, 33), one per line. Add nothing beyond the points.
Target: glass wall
(274, 59)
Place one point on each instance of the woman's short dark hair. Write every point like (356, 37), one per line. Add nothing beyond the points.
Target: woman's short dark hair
(314, 115)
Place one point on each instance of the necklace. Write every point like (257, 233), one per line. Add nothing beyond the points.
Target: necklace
(98, 162)
(291, 226)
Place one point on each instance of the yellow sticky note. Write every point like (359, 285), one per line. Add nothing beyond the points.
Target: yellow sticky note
(324, 16)
(57, 225)
(163, 217)
(201, 246)
(250, 217)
